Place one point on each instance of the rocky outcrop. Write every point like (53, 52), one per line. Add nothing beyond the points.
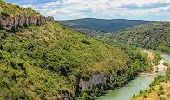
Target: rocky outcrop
(93, 81)
(94, 85)
(50, 18)
(98, 84)
(11, 23)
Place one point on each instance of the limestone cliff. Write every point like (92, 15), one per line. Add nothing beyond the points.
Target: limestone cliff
(93, 81)
(11, 23)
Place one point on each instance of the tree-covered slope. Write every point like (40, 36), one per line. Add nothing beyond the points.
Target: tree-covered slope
(45, 60)
(48, 61)
(102, 25)
(152, 36)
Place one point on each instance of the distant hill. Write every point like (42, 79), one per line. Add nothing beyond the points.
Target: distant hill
(103, 25)
(152, 36)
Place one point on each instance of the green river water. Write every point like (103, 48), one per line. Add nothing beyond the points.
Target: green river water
(133, 87)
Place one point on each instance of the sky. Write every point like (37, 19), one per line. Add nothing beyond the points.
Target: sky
(155, 10)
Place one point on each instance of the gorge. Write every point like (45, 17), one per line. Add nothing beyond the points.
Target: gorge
(40, 58)
(133, 87)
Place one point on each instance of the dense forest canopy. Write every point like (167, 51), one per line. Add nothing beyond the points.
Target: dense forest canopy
(47, 61)
(154, 36)
(91, 25)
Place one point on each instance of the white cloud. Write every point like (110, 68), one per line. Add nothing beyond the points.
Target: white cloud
(88, 8)
(28, 5)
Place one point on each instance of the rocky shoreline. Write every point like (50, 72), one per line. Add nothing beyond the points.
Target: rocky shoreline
(157, 70)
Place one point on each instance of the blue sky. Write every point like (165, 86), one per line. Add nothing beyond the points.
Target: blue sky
(158, 10)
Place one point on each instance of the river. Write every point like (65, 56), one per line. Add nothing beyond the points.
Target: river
(133, 87)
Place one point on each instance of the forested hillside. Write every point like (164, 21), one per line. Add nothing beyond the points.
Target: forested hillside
(154, 36)
(51, 61)
(102, 25)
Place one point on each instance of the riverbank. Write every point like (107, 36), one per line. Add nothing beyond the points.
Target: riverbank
(127, 91)
(157, 70)
(157, 63)
(160, 87)
(141, 82)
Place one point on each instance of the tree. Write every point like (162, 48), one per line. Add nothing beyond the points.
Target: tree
(85, 96)
(1, 1)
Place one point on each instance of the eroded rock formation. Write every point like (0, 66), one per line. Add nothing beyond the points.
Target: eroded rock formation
(11, 23)
(94, 80)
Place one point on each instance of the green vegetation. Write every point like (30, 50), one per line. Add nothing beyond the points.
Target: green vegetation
(157, 58)
(160, 88)
(46, 61)
(14, 10)
(154, 36)
(1, 1)
(100, 27)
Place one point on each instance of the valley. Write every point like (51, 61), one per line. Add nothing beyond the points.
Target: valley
(53, 61)
(159, 89)
(84, 59)
(134, 87)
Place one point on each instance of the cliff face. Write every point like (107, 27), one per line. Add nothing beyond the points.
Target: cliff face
(98, 84)
(93, 81)
(11, 23)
